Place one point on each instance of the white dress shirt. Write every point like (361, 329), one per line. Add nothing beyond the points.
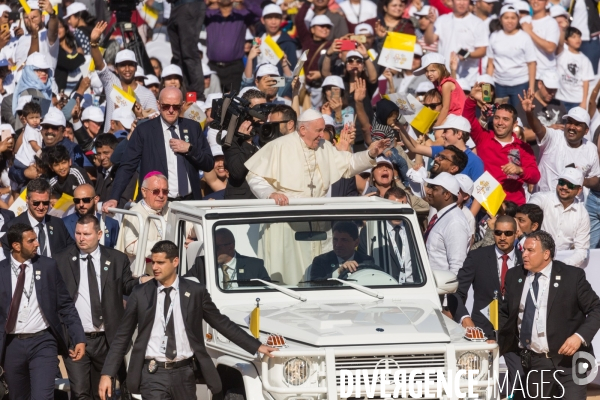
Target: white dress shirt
(184, 350)
(403, 257)
(539, 340)
(34, 223)
(570, 227)
(35, 321)
(172, 159)
(82, 301)
(231, 270)
(510, 262)
(449, 240)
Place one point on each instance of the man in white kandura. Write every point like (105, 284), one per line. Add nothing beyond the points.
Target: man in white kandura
(300, 164)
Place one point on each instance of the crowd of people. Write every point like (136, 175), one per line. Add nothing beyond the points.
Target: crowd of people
(512, 85)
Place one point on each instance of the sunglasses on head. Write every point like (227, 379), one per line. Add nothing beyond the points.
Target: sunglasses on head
(498, 232)
(156, 192)
(569, 185)
(167, 107)
(86, 200)
(44, 203)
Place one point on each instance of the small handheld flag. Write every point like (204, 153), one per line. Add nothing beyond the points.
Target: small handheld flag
(270, 51)
(494, 311)
(255, 320)
(489, 193)
(398, 51)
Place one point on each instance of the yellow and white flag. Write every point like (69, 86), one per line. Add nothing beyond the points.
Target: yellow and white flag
(253, 320)
(270, 51)
(195, 112)
(26, 8)
(148, 14)
(489, 193)
(64, 206)
(421, 118)
(398, 51)
(122, 98)
(491, 312)
(19, 206)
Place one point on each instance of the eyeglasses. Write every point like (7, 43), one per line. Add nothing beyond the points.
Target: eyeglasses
(443, 157)
(167, 107)
(86, 200)
(354, 61)
(44, 203)
(569, 185)
(156, 192)
(433, 106)
(505, 233)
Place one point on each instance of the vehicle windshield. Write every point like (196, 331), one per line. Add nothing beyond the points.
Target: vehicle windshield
(299, 254)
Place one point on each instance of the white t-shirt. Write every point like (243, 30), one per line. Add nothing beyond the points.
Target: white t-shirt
(573, 69)
(357, 13)
(580, 19)
(556, 154)
(26, 154)
(547, 28)
(48, 50)
(461, 33)
(510, 54)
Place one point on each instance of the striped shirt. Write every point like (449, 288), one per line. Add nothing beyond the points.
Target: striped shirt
(77, 177)
(143, 95)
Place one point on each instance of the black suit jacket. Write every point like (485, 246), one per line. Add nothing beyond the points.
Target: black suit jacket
(196, 305)
(573, 307)
(480, 269)
(116, 282)
(246, 268)
(58, 236)
(324, 265)
(53, 298)
(146, 149)
(235, 156)
(345, 187)
(7, 215)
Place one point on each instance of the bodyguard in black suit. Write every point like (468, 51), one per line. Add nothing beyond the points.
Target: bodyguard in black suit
(188, 153)
(52, 234)
(97, 287)
(161, 365)
(35, 307)
(550, 312)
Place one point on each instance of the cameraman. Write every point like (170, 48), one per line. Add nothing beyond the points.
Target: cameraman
(286, 116)
(240, 151)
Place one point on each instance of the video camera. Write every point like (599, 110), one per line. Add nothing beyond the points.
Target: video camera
(229, 112)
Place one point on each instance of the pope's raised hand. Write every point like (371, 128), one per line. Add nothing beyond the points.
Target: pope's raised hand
(376, 148)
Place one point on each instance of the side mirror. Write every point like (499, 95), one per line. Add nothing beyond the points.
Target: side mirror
(445, 281)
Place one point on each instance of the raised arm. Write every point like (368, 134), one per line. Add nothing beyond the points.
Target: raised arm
(94, 42)
(536, 126)
(45, 5)
(412, 145)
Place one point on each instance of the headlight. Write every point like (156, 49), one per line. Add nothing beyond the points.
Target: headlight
(295, 371)
(469, 361)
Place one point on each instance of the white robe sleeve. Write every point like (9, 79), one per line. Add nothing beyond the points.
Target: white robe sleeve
(259, 186)
(358, 163)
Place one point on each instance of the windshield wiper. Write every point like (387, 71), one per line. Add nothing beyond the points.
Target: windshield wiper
(289, 292)
(360, 288)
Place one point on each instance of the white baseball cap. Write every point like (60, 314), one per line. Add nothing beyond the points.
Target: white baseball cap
(424, 11)
(271, 9)
(151, 80)
(465, 183)
(171, 70)
(455, 122)
(22, 101)
(485, 78)
(521, 6)
(38, 61)
(572, 175)
(508, 8)
(558, 11)
(551, 80)
(266, 69)
(320, 20)
(383, 160)
(427, 60)
(353, 53)
(124, 56)
(333, 80)
(579, 115)
(464, 84)
(446, 181)
(363, 29)
(328, 120)
(54, 117)
(209, 100)
(124, 116)
(4, 7)
(74, 9)
(139, 72)
(424, 87)
(33, 5)
(206, 71)
(418, 50)
(216, 150)
(93, 113)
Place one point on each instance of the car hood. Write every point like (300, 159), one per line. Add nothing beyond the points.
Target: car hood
(359, 323)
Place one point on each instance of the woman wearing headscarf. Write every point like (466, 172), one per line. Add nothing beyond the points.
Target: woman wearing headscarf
(37, 75)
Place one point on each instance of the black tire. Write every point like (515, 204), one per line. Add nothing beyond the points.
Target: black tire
(235, 394)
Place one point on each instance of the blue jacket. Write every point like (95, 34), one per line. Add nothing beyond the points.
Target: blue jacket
(111, 229)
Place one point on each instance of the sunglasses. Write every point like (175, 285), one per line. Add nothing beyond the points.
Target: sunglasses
(167, 107)
(156, 192)
(44, 203)
(86, 200)
(443, 157)
(505, 233)
(432, 105)
(569, 185)
(354, 61)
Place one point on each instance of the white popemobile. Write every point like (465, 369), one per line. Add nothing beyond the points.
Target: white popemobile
(358, 322)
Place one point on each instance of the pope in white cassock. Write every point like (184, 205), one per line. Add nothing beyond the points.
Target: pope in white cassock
(300, 164)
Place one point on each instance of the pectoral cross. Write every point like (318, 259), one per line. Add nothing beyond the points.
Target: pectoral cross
(311, 186)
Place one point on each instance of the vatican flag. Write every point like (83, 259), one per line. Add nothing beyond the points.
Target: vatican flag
(64, 206)
(421, 118)
(19, 206)
(398, 51)
(195, 112)
(489, 193)
(148, 14)
(122, 98)
(270, 51)
(255, 321)
(491, 311)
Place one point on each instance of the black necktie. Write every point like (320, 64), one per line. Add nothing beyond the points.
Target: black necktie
(529, 313)
(398, 239)
(171, 342)
(182, 181)
(42, 239)
(15, 303)
(94, 293)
